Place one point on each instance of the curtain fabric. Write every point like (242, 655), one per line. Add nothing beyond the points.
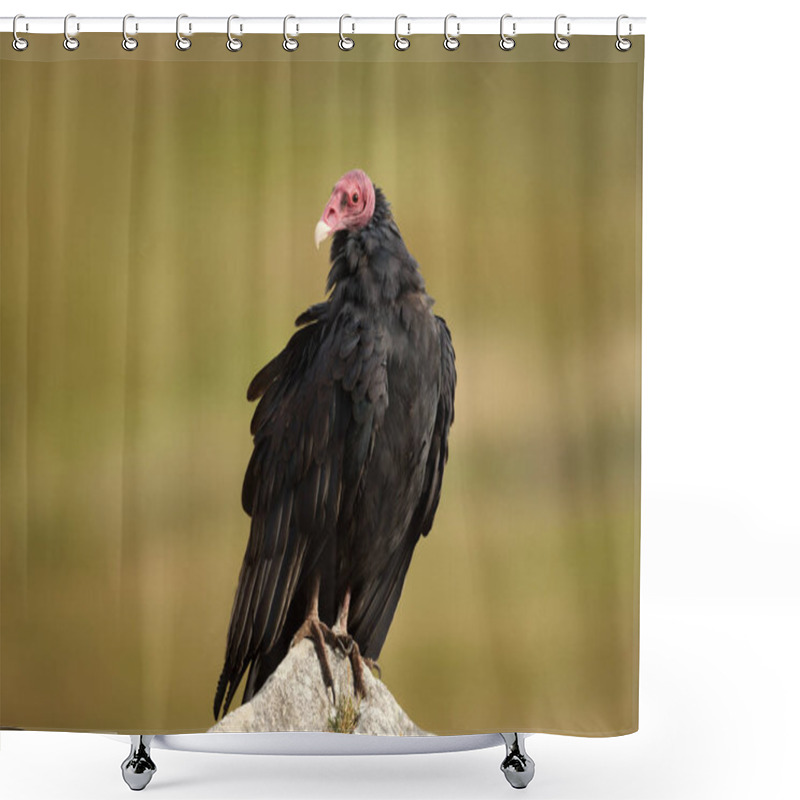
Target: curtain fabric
(158, 212)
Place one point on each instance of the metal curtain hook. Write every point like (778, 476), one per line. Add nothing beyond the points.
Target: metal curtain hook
(128, 42)
(18, 43)
(507, 42)
(560, 43)
(345, 43)
(234, 44)
(70, 42)
(400, 42)
(181, 42)
(451, 42)
(290, 44)
(623, 45)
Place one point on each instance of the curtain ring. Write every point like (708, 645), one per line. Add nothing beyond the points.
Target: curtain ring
(345, 43)
(623, 45)
(182, 43)
(128, 42)
(290, 44)
(451, 42)
(507, 42)
(400, 42)
(234, 43)
(18, 43)
(560, 42)
(70, 42)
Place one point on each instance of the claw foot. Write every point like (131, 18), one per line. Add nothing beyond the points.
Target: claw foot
(138, 768)
(517, 766)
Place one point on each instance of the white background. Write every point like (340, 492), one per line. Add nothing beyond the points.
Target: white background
(720, 443)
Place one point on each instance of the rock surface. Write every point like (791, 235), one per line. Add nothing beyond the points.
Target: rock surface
(294, 698)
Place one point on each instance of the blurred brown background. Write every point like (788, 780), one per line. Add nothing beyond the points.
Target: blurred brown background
(157, 218)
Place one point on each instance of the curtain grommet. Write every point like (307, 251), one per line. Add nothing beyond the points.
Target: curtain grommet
(17, 42)
(129, 43)
(70, 42)
(401, 43)
(290, 43)
(181, 41)
(622, 44)
(345, 42)
(560, 43)
(507, 42)
(234, 43)
(451, 42)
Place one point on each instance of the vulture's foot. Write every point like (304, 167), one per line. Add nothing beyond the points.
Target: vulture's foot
(319, 633)
(347, 644)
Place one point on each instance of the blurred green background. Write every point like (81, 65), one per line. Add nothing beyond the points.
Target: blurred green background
(158, 211)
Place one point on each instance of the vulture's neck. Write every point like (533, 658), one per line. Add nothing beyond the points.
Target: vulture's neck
(372, 267)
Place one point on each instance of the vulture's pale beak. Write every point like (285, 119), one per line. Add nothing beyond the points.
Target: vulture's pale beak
(321, 233)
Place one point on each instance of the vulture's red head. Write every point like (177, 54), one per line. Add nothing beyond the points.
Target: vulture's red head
(350, 207)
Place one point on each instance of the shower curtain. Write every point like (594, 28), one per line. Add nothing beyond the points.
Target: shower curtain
(159, 216)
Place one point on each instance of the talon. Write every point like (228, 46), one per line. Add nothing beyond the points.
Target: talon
(356, 662)
(319, 633)
(349, 646)
(374, 666)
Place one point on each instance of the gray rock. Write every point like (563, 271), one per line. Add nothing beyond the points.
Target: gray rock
(294, 698)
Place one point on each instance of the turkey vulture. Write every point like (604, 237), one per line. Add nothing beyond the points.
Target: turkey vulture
(349, 447)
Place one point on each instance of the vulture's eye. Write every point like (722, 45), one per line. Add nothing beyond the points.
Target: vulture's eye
(355, 197)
